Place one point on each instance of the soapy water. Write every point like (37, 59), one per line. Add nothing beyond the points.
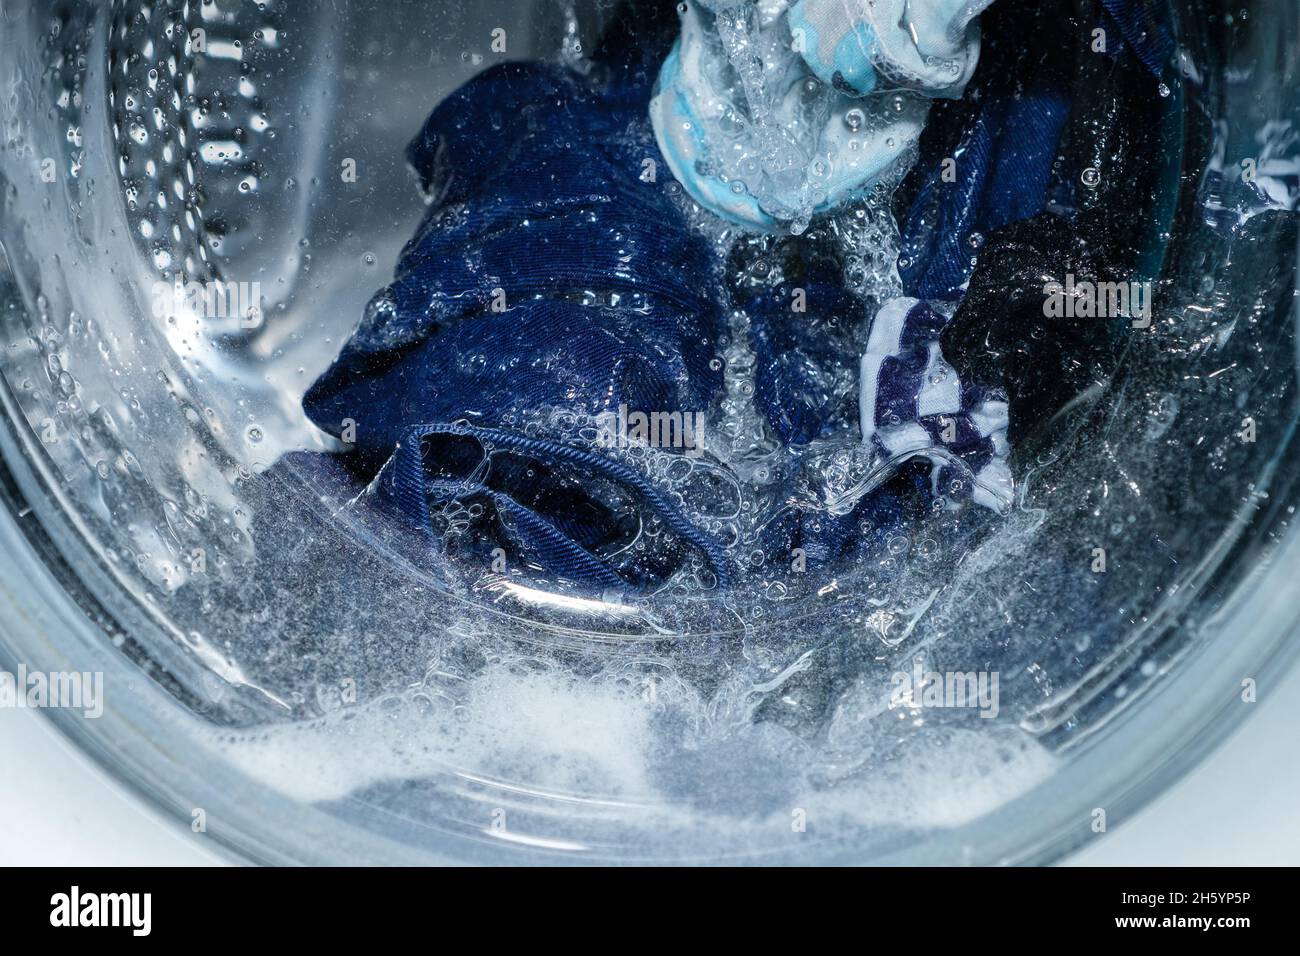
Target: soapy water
(775, 160)
(333, 664)
(764, 131)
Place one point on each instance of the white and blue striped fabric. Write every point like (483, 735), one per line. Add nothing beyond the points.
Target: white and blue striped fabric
(913, 402)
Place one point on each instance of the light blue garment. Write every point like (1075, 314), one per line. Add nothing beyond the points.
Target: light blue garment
(769, 113)
(926, 45)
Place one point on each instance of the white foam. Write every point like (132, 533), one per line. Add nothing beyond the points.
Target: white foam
(550, 731)
(542, 733)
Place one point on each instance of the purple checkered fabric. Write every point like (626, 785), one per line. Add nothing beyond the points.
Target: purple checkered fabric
(913, 403)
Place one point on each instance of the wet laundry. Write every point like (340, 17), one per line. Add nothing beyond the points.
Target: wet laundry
(769, 112)
(553, 287)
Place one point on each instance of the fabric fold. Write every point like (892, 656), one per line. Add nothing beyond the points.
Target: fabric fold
(548, 280)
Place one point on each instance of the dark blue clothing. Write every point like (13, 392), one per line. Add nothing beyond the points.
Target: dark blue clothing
(1005, 160)
(549, 273)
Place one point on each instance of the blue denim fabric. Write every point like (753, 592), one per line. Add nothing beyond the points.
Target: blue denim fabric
(1144, 25)
(890, 512)
(553, 215)
(1003, 168)
(795, 353)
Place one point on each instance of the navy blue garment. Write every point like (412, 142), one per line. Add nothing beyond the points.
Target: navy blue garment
(806, 382)
(892, 511)
(1004, 165)
(1144, 25)
(1004, 137)
(546, 273)
(549, 274)
(1126, 133)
